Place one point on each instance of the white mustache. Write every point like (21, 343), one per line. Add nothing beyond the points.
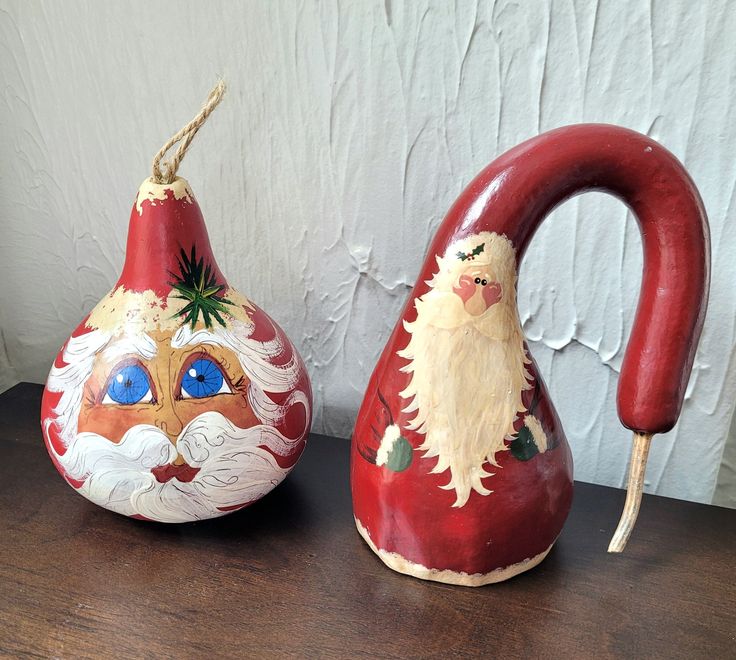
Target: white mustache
(234, 469)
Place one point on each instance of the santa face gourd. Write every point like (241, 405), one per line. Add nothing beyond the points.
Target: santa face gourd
(468, 402)
(177, 398)
(460, 470)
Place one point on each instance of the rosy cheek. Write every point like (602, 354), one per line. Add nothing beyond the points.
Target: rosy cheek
(492, 293)
(465, 288)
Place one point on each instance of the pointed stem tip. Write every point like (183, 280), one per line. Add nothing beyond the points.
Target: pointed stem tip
(634, 489)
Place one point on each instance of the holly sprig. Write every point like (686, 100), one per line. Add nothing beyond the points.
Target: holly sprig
(197, 284)
(463, 256)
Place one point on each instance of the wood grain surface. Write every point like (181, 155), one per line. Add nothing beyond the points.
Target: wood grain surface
(290, 576)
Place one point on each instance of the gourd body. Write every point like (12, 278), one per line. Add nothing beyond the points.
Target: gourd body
(485, 483)
(177, 398)
(413, 523)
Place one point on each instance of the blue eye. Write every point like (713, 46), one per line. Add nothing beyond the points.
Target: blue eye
(203, 378)
(129, 385)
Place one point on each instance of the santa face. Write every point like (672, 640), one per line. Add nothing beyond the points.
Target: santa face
(467, 362)
(174, 425)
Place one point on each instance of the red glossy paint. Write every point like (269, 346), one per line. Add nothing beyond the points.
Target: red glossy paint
(407, 512)
(155, 237)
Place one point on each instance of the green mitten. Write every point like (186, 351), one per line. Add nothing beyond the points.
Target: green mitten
(523, 446)
(399, 458)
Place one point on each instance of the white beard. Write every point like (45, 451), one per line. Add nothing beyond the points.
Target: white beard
(467, 377)
(234, 468)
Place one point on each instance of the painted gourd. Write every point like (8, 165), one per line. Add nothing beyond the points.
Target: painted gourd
(177, 398)
(460, 470)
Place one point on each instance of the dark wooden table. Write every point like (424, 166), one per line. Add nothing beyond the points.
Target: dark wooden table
(290, 576)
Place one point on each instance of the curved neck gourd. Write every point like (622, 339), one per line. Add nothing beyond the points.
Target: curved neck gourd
(514, 195)
(456, 437)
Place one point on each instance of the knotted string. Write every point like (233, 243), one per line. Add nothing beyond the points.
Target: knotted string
(166, 172)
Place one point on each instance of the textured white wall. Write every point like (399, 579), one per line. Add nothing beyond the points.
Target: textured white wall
(348, 130)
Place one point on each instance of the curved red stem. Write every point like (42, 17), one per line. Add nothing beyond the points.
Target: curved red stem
(514, 194)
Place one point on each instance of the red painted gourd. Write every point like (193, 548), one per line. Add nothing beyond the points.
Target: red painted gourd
(177, 398)
(460, 470)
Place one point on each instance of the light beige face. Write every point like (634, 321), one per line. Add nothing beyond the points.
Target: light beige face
(478, 289)
(167, 406)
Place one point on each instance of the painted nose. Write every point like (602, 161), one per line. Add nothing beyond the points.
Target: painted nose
(476, 304)
(483, 296)
(169, 423)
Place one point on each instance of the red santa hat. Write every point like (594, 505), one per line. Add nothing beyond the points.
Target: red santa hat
(165, 220)
(168, 265)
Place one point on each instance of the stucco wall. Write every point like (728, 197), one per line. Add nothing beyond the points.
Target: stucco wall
(348, 130)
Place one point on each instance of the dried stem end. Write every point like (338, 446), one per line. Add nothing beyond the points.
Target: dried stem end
(634, 489)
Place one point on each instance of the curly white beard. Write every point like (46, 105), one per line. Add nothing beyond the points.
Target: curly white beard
(467, 378)
(234, 468)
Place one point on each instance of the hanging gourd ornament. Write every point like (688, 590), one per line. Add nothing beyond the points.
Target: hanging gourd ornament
(460, 469)
(177, 398)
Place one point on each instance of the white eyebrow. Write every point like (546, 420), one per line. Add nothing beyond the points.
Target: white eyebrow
(185, 337)
(139, 344)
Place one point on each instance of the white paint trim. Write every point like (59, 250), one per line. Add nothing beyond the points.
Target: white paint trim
(390, 436)
(402, 565)
(540, 437)
(153, 192)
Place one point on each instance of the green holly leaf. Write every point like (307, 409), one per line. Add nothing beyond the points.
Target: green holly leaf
(478, 249)
(399, 458)
(523, 446)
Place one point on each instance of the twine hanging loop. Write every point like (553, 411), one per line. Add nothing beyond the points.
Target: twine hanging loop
(165, 173)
